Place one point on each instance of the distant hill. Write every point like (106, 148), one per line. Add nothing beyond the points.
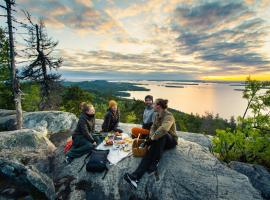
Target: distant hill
(107, 88)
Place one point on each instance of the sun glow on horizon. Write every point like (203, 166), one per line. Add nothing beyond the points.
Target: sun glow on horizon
(259, 77)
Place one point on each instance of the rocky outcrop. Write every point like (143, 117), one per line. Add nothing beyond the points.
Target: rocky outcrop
(257, 174)
(51, 121)
(28, 146)
(189, 171)
(20, 182)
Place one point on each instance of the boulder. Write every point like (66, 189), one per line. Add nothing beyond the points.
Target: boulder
(52, 121)
(186, 172)
(27, 146)
(203, 140)
(23, 182)
(4, 113)
(257, 174)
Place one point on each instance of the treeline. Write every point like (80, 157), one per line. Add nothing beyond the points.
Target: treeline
(68, 99)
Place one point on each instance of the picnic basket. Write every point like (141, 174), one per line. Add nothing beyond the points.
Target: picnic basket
(136, 150)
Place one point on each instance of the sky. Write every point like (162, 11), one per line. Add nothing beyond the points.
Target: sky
(158, 39)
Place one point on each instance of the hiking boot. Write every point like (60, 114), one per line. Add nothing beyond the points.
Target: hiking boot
(68, 160)
(132, 181)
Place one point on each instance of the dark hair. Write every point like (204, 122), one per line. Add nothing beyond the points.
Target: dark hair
(148, 97)
(163, 103)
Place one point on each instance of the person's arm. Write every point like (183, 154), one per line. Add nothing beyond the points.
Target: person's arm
(164, 128)
(153, 128)
(117, 122)
(106, 122)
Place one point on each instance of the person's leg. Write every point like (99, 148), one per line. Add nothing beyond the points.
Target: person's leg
(81, 146)
(145, 162)
(170, 143)
(166, 142)
(136, 131)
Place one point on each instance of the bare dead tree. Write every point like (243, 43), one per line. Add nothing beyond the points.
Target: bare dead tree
(15, 81)
(40, 48)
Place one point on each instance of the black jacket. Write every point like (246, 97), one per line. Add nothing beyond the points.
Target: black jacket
(85, 127)
(111, 121)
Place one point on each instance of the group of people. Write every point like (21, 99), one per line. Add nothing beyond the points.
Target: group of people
(158, 129)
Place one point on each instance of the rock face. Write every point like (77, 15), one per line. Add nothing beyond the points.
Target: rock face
(28, 146)
(189, 171)
(258, 176)
(52, 121)
(19, 181)
(24, 141)
(201, 139)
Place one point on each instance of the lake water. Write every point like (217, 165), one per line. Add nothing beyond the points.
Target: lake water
(201, 97)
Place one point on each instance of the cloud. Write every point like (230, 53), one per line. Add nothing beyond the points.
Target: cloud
(211, 32)
(78, 15)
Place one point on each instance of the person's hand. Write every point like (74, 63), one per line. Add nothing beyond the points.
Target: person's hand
(94, 143)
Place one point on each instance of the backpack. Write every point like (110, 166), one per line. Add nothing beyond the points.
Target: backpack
(97, 162)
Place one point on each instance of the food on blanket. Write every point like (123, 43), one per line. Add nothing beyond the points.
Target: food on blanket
(128, 140)
(121, 142)
(118, 138)
(109, 142)
(126, 149)
(117, 134)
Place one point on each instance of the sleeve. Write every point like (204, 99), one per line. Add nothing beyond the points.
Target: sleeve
(153, 116)
(153, 128)
(118, 119)
(106, 122)
(85, 131)
(164, 128)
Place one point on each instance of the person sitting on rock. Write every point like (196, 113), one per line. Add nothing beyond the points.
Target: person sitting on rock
(162, 136)
(83, 141)
(111, 118)
(148, 119)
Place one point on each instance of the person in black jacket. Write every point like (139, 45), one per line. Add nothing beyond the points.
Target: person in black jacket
(111, 119)
(83, 141)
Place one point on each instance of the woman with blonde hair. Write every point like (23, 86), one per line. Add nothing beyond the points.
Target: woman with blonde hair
(112, 118)
(83, 141)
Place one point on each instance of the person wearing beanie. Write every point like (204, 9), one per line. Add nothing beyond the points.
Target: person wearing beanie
(83, 141)
(148, 119)
(111, 118)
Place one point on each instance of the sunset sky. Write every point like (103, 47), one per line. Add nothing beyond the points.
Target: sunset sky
(158, 39)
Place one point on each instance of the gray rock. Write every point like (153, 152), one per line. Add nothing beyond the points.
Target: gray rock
(26, 146)
(257, 174)
(4, 113)
(187, 172)
(52, 121)
(203, 140)
(25, 181)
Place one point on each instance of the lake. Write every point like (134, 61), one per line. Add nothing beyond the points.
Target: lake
(197, 97)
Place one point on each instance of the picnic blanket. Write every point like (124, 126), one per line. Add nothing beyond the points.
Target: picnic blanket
(116, 151)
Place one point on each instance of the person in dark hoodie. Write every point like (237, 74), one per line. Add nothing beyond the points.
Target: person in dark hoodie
(111, 119)
(148, 119)
(83, 141)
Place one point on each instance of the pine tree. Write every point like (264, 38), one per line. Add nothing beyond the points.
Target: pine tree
(40, 48)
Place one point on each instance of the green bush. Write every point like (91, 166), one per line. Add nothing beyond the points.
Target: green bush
(250, 141)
